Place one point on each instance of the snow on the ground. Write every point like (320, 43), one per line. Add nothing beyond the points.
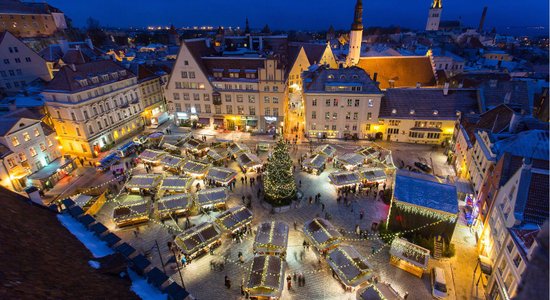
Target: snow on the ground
(94, 264)
(143, 289)
(86, 237)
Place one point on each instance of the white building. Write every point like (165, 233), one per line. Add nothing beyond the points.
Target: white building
(434, 16)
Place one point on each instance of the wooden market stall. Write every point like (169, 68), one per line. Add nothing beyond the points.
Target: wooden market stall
(172, 163)
(221, 176)
(344, 179)
(315, 164)
(194, 145)
(372, 175)
(352, 268)
(271, 239)
(143, 183)
(216, 155)
(378, 291)
(266, 278)
(234, 218)
(327, 150)
(175, 184)
(248, 161)
(350, 161)
(151, 156)
(409, 257)
(131, 210)
(174, 205)
(236, 148)
(214, 198)
(369, 152)
(195, 168)
(198, 240)
(322, 234)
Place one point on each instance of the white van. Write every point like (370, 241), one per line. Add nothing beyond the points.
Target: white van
(439, 285)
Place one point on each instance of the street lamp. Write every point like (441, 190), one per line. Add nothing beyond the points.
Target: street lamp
(177, 263)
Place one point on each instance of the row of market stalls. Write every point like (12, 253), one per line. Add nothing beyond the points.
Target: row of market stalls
(354, 160)
(363, 176)
(247, 160)
(316, 163)
(352, 269)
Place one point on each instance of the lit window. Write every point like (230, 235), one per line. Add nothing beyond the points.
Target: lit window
(26, 136)
(36, 132)
(14, 141)
(32, 151)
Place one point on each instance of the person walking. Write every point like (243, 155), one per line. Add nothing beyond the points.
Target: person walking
(289, 282)
(322, 207)
(227, 282)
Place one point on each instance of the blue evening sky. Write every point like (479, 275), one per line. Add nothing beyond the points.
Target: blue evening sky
(301, 14)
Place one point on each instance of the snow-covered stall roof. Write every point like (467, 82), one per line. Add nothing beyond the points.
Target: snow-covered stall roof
(315, 162)
(369, 152)
(198, 237)
(235, 148)
(351, 159)
(372, 174)
(343, 178)
(322, 233)
(327, 150)
(378, 291)
(193, 144)
(410, 252)
(221, 175)
(174, 203)
(172, 161)
(176, 183)
(131, 208)
(266, 277)
(151, 156)
(212, 196)
(234, 218)
(352, 268)
(195, 167)
(425, 191)
(144, 181)
(248, 160)
(216, 155)
(271, 236)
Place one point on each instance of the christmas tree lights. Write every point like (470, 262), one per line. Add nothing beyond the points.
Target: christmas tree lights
(279, 184)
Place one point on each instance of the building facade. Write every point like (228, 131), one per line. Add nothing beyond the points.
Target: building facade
(30, 19)
(19, 64)
(93, 105)
(341, 103)
(434, 16)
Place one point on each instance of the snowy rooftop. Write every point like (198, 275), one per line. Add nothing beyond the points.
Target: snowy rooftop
(422, 191)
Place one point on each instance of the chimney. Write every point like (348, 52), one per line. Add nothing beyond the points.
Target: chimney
(89, 42)
(446, 89)
(460, 85)
(507, 97)
(34, 195)
(482, 21)
(418, 85)
(12, 106)
(375, 76)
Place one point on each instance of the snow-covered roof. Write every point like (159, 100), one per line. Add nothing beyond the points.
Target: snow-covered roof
(342, 178)
(150, 155)
(144, 181)
(353, 159)
(212, 196)
(248, 160)
(173, 183)
(352, 268)
(425, 191)
(223, 175)
(271, 235)
(316, 162)
(372, 174)
(328, 150)
(234, 218)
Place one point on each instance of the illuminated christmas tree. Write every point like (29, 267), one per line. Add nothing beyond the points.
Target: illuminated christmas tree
(279, 184)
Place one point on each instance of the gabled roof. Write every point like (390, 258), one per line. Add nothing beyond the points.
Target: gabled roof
(6, 124)
(198, 49)
(232, 63)
(314, 52)
(428, 103)
(143, 72)
(495, 94)
(316, 81)
(406, 71)
(20, 7)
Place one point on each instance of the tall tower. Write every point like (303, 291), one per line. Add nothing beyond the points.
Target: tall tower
(356, 35)
(434, 16)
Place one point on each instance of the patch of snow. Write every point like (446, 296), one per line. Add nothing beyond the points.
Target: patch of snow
(86, 237)
(94, 264)
(143, 289)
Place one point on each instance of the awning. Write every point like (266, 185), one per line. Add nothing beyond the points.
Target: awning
(205, 121)
(51, 168)
(218, 121)
(252, 122)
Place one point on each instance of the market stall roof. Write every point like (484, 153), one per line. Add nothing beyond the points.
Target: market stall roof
(266, 276)
(212, 196)
(111, 239)
(351, 267)
(351, 159)
(369, 152)
(170, 147)
(150, 155)
(130, 206)
(316, 162)
(82, 199)
(327, 150)
(222, 175)
(342, 178)
(372, 174)
(410, 252)
(272, 234)
(144, 181)
(195, 238)
(236, 148)
(379, 291)
(248, 160)
(195, 167)
(216, 155)
(234, 218)
(322, 232)
(425, 191)
(176, 183)
(172, 161)
(192, 144)
(174, 202)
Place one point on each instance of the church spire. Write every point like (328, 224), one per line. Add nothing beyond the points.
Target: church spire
(358, 17)
(247, 27)
(437, 4)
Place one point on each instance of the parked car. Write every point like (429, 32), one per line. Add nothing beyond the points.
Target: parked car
(423, 167)
(439, 285)
(105, 163)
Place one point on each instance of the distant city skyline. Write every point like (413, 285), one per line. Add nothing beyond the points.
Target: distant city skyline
(304, 14)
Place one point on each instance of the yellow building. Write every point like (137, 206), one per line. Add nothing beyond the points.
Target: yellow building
(151, 93)
(304, 55)
(424, 115)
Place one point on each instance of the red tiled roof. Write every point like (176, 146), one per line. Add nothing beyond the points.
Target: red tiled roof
(233, 63)
(406, 71)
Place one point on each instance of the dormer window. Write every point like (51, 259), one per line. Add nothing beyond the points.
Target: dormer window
(105, 77)
(411, 112)
(330, 76)
(122, 72)
(393, 111)
(234, 73)
(355, 77)
(114, 75)
(95, 79)
(83, 82)
(342, 77)
(436, 112)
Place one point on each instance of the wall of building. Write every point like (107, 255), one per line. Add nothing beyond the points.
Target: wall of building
(399, 130)
(28, 25)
